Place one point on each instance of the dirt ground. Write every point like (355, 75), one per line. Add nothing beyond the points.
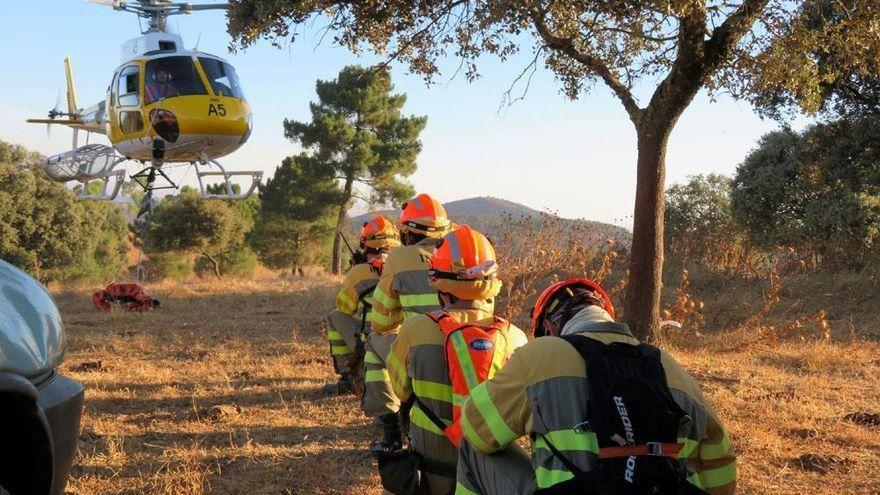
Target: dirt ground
(219, 391)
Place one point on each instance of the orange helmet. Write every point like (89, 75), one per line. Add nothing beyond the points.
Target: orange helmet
(379, 233)
(424, 215)
(550, 298)
(463, 264)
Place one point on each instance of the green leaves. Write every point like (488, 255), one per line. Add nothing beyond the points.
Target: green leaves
(295, 222)
(359, 134)
(359, 137)
(47, 232)
(699, 223)
(188, 223)
(824, 58)
(818, 192)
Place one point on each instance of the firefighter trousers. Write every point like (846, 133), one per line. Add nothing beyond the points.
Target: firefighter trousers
(343, 335)
(379, 397)
(501, 473)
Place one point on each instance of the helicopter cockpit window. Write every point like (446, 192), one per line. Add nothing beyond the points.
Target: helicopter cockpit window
(127, 86)
(222, 77)
(168, 77)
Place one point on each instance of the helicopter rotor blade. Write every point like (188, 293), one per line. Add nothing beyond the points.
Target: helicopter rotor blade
(108, 3)
(57, 108)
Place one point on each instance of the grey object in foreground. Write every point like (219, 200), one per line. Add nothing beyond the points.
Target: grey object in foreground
(40, 410)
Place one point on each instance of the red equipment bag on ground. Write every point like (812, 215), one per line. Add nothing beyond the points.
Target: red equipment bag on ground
(129, 297)
(472, 357)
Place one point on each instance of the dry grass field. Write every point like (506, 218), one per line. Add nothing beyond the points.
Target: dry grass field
(219, 391)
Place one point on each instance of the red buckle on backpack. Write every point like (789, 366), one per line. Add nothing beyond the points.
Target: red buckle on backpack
(650, 448)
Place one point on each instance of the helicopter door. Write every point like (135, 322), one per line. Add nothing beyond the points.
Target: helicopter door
(127, 111)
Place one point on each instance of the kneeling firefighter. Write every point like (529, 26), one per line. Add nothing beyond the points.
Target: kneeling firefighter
(606, 414)
(439, 357)
(403, 292)
(348, 322)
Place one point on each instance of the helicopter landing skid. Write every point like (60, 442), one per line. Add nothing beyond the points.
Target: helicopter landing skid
(230, 194)
(108, 192)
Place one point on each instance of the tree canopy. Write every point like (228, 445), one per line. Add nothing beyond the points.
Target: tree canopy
(208, 227)
(358, 133)
(699, 221)
(827, 60)
(47, 232)
(799, 48)
(297, 205)
(818, 191)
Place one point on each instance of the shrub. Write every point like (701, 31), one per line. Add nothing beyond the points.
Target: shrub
(172, 265)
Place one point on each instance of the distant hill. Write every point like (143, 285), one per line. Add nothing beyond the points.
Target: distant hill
(489, 214)
(488, 206)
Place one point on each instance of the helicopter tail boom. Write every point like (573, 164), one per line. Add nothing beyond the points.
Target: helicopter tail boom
(72, 108)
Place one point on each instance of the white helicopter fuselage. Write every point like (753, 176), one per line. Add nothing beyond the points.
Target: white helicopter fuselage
(191, 100)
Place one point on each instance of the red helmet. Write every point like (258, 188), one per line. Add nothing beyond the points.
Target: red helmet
(548, 299)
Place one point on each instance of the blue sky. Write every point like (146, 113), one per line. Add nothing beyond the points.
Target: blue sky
(547, 152)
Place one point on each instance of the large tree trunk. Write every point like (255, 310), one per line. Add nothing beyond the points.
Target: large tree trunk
(340, 222)
(646, 259)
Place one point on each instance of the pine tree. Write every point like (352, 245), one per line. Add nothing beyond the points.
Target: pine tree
(357, 132)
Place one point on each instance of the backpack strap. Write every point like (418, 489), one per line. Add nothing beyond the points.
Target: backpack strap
(440, 317)
(362, 298)
(437, 315)
(429, 413)
(500, 323)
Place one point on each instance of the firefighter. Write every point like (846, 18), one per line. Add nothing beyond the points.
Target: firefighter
(438, 357)
(645, 423)
(348, 320)
(403, 291)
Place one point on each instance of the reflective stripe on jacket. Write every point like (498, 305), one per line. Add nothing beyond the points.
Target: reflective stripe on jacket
(543, 389)
(404, 290)
(417, 364)
(360, 279)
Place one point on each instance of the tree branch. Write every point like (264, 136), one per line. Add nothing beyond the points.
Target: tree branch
(566, 45)
(421, 32)
(697, 58)
(638, 35)
(725, 37)
(507, 99)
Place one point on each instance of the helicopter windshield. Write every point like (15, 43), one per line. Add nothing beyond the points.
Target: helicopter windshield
(168, 77)
(222, 76)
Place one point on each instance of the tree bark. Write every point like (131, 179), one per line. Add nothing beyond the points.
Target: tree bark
(646, 258)
(340, 221)
(216, 263)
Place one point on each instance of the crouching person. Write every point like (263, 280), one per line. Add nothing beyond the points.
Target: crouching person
(439, 357)
(605, 413)
(348, 322)
(403, 292)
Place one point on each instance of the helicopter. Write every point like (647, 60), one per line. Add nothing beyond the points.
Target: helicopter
(164, 105)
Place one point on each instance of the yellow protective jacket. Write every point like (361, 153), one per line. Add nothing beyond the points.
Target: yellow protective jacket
(360, 279)
(403, 290)
(417, 363)
(542, 391)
